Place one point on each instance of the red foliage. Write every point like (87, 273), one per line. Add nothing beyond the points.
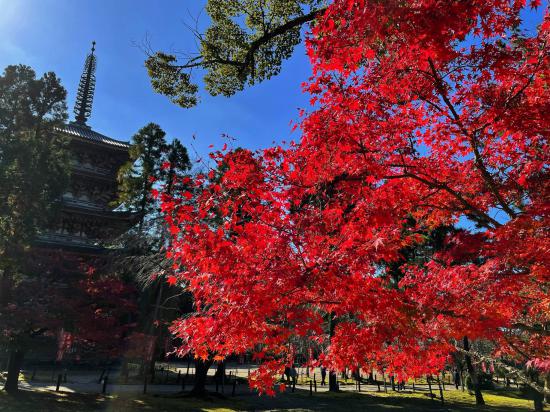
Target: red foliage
(100, 309)
(435, 112)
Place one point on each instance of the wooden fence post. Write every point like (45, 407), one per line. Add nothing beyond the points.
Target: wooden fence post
(101, 376)
(104, 389)
(59, 377)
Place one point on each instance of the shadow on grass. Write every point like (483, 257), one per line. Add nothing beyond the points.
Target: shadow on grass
(27, 401)
(46, 401)
(381, 402)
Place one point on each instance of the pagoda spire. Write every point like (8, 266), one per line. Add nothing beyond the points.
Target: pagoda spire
(85, 94)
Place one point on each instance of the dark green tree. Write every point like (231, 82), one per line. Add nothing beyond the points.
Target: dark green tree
(154, 165)
(136, 177)
(178, 166)
(162, 303)
(34, 172)
(246, 43)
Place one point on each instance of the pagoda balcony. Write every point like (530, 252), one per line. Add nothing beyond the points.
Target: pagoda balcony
(88, 168)
(66, 239)
(82, 203)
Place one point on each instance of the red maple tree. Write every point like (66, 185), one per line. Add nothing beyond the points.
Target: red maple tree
(99, 313)
(424, 114)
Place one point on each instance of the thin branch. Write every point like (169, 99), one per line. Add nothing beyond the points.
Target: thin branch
(539, 330)
(483, 218)
(289, 25)
(487, 177)
(509, 370)
(248, 61)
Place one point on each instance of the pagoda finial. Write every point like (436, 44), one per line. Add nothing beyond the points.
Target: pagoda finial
(85, 94)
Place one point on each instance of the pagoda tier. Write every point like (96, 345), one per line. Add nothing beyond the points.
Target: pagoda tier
(96, 160)
(84, 228)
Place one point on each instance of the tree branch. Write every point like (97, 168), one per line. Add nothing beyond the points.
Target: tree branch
(483, 218)
(267, 37)
(487, 177)
(531, 329)
(254, 46)
(510, 371)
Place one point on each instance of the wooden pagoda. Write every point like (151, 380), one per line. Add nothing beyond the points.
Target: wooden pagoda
(88, 218)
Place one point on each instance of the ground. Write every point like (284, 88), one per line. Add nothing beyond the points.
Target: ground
(81, 390)
(47, 401)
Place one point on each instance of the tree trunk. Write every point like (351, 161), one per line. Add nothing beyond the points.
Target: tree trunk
(142, 205)
(538, 399)
(3, 288)
(124, 370)
(332, 382)
(472, 373)
(332, 378)
(220, 371)
(151, 365)
(201, 372)
(153, 331)
(14, 369)
(547, 386)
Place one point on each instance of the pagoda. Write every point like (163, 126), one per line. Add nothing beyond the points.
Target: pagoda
(88, 219)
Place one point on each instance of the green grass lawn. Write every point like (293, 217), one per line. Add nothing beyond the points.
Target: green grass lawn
(37, 401)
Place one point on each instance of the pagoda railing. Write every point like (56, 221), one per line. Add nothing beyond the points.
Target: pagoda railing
(91, 169)
(72, 201)
(52, 237)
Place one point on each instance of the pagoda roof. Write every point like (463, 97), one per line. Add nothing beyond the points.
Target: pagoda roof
(107, 214)
(86, 133)
(65, 243)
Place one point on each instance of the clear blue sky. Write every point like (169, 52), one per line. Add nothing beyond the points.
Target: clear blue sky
(55, 35)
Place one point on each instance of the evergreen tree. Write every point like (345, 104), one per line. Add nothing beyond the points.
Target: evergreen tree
(34, 161)
(154, 166)
(156, 316)
(136, 177)
(178, 166)
(34, 172)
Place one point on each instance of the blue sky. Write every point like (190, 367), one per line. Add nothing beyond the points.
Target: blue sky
(55, 35)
